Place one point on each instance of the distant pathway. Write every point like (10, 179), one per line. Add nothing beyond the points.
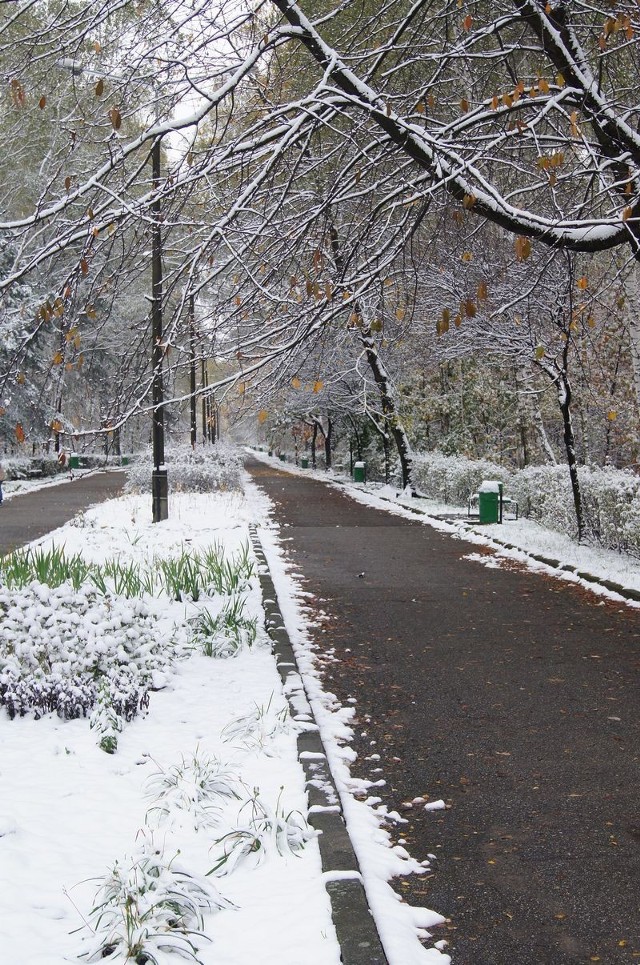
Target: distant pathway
(514, 697)
(32, 515)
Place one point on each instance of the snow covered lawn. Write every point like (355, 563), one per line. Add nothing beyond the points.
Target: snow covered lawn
(69, 811)
(206, 778)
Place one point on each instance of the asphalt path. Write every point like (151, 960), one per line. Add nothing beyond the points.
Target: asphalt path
(33, 514)
(511, 695)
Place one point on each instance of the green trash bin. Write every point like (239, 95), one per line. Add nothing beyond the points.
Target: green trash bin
(124, 461)
(304, 462)
(359, 472)
(283, 457)
(74, 462)
(490, 501)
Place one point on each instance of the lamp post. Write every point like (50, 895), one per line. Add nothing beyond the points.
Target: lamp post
(159, 480)
(205, 405)
(192, 367)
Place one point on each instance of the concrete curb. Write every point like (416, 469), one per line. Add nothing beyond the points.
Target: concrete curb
(625, 591)
(355, 928)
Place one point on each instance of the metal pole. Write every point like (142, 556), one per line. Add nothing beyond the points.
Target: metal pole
(159, 482)
(192, 348)
(204, 403)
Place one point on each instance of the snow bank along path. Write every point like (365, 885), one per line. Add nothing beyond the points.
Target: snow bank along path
(69, 811)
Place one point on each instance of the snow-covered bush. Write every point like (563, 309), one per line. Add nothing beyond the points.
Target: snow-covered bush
(612, 504)
(200, 470)
(262, 830)
(610, 497)
(60, 644)
(543, 493)
(452, 479)
(21, 467)
(16, 467)
(198, 787)
(149, 906)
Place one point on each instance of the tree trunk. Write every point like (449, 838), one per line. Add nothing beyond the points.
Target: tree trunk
(563, 388)
(385, 446)
(327, 443)
(314, 438)
(380, 376)
(564, 399)
(542, 435)
(204, 402)
(523, 422)
(388, 407)
(632, 312)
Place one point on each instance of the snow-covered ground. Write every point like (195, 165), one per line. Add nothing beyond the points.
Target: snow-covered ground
(69, 812)
(71, 815)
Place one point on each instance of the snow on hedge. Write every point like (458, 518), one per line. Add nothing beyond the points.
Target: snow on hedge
(200, 470)
(611, 497)
(59, 644)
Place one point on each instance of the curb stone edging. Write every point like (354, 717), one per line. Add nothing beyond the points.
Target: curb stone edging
(354, 924)
(624, 591)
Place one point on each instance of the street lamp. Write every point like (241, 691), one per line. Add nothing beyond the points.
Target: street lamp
(192, 367)
(159, 480)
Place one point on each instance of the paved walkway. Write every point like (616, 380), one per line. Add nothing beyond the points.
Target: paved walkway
(511, 695)
(32, 515)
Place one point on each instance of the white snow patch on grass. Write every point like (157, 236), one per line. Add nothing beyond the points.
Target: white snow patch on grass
(68, 811)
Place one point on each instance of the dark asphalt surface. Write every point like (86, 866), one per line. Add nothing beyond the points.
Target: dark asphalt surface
(511, 695)
(32, 515)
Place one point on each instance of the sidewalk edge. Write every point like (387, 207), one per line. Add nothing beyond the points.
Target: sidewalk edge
(355, 927)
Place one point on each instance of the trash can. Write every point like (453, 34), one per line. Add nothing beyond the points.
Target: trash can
(124, 461)
(359, 472)
(304, 462)
(74, 462)
(283, 457)
(489, 501)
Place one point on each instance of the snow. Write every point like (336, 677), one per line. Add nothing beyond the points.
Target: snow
(70, 814)
(526, 538)
(18, 487)
(69, 811)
